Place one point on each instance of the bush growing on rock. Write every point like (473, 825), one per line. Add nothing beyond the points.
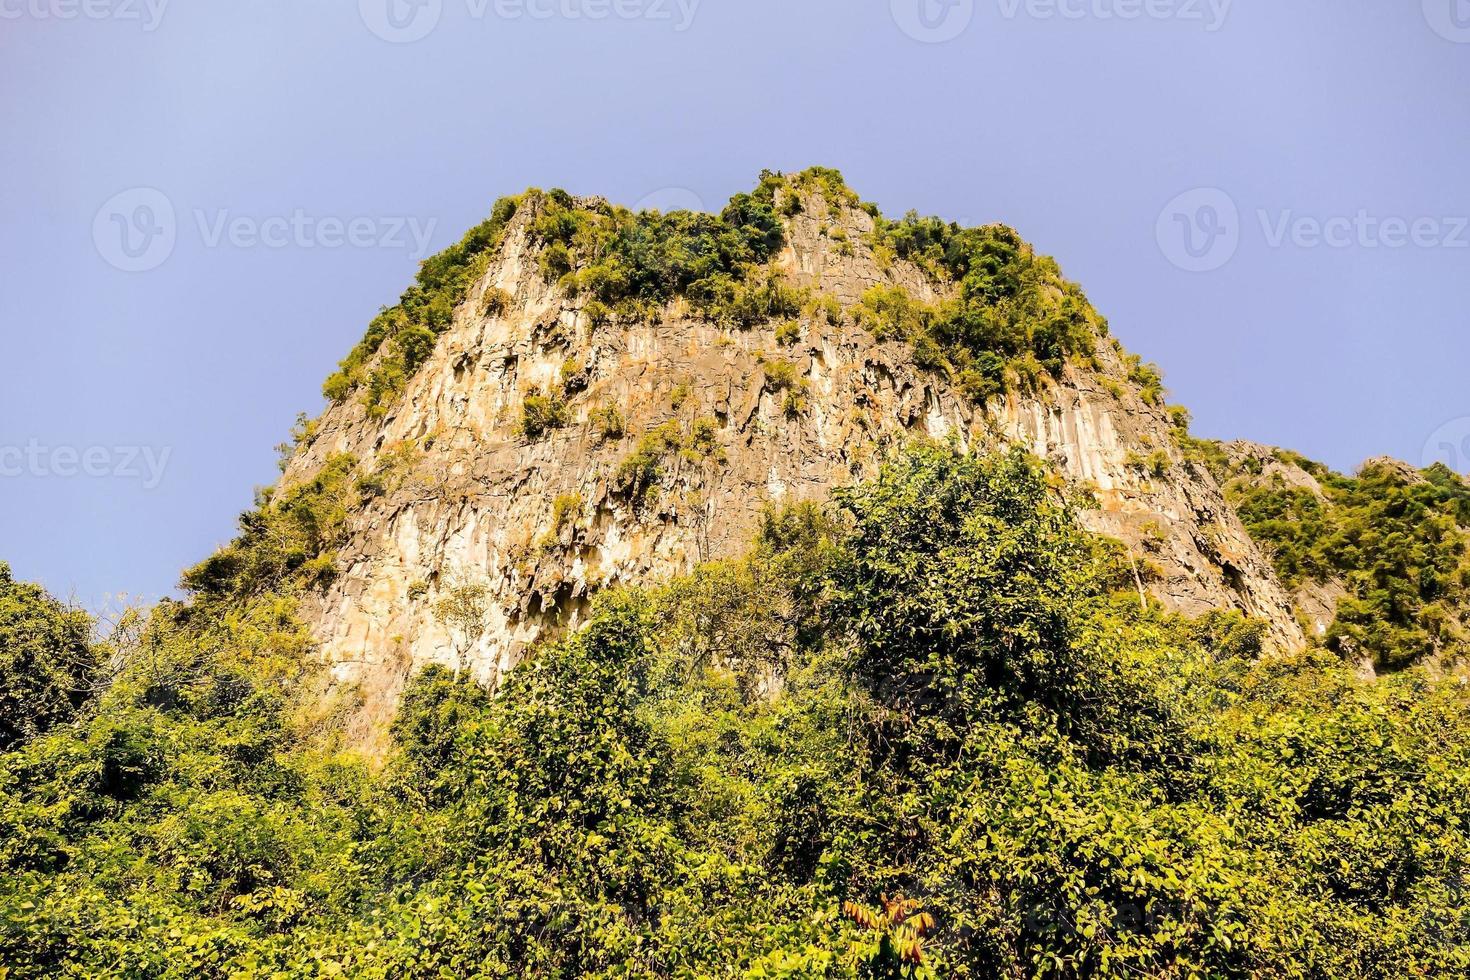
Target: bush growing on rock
(542, 413)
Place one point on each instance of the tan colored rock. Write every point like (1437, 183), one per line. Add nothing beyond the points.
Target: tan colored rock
(472, 502)
(1268, 464)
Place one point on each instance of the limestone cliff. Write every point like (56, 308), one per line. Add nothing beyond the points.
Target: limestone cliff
(526, 530)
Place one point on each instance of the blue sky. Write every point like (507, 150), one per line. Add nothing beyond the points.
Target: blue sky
(203, 204)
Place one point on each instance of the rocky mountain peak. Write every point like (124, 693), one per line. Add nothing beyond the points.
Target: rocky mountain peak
(607, 397)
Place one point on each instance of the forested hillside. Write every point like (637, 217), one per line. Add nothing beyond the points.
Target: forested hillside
(928, 731)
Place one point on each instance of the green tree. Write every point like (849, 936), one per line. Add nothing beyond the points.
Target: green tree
(49, 666)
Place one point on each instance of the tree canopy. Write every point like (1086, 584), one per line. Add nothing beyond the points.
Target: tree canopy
(924, 731)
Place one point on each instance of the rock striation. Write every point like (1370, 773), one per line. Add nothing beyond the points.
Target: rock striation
(519, 533)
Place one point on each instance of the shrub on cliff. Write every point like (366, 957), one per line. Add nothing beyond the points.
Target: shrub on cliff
(542, 413)
(1014, 317)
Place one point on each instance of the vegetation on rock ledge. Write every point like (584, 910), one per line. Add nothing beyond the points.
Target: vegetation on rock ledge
(402, 337)
(1014, 318)
(1397, 540)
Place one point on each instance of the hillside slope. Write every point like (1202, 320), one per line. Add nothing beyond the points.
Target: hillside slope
(725, 415)
(1378, 563)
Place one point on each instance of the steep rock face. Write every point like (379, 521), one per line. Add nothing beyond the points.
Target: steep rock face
(1169, 511)
(526, 531)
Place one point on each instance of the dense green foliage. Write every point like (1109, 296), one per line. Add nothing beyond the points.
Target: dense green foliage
(182, 802)
(1014, 318)
(635, 263)
(916, 734)
(48, 665)
(1397, 540)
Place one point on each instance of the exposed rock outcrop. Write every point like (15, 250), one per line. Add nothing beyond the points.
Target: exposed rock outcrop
(741, 418)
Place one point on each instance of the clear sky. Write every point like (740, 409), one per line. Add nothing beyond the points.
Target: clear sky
(203, 203)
